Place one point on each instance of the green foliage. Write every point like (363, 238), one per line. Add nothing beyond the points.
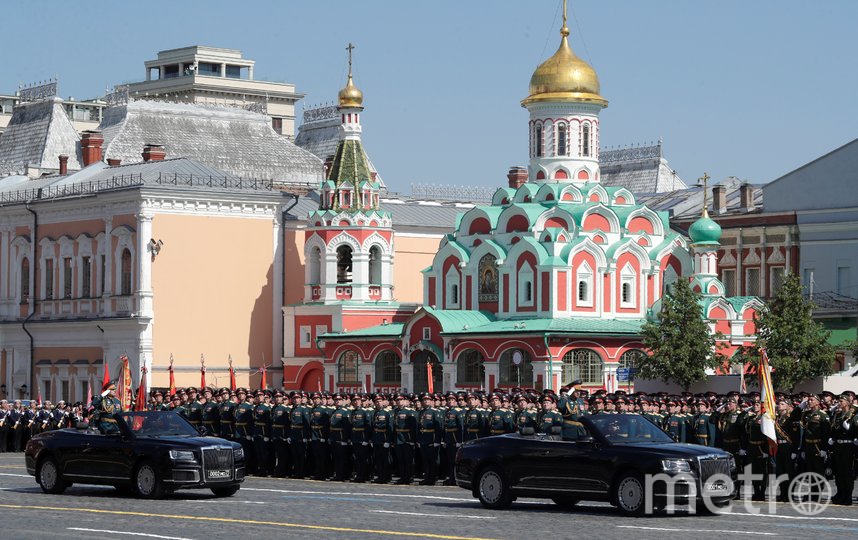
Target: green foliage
(797, 346)
(680, 344)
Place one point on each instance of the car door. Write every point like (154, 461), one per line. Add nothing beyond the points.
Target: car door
(104, 457)
(586, 467)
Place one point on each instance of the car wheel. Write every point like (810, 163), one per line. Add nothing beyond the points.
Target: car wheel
(492, 488)
(565, 502)
(49, 477)
(225, 491)
(147, 482)
(629, 494)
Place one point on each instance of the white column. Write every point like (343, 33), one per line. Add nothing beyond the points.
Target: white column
(223, 69)
(108, 266)
(360, 276)
(329, 276)
(250, 72)
(7, 265)
(144, 264)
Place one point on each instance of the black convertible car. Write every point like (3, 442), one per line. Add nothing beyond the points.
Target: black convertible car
(624, 459)
(153, 453)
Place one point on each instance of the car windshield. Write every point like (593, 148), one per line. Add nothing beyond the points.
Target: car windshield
(628, 428)
(158, 424)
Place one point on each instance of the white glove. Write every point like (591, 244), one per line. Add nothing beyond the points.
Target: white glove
(802, 405)
(823, 454)
(304, 441)
(855, 442)
(265, 439)
(387, 445)
(803, 456)
(249, 437)
(364, 443)
(321, 440)
(830, 442)
(104, 394)
(743, 452)
(846, 424)
(436, 444)
(458, 444)
(793, 456)
(289, 440)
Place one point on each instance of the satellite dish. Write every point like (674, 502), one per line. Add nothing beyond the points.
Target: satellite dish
(517, 357)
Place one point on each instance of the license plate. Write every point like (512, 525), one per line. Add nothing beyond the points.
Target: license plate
(218, 474)
(716, 486)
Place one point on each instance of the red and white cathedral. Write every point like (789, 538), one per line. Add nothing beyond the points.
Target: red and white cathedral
(549, 283)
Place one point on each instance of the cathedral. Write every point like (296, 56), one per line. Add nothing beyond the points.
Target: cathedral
(549, 283)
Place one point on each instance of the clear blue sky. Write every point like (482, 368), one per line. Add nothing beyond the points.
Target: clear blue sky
(734, 87)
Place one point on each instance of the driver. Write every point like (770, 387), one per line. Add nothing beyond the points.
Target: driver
(104, 407)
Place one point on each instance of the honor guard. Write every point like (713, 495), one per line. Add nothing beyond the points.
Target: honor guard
(361, 440)
(319, 431)
(729, 430)
(280, 430)
(299, 437)
(262, 432)
(816, 427)
(406, 436)
(430, 435)
(571, 406)
(475, 420)
(195, 408)
(787, 438)
(383, 439)
(843, 438)
(340, 437)
(226, 415)
(243, 412)
(500, 420)
(703, 431)
(758, 450)
(675, 423)
(454, 426)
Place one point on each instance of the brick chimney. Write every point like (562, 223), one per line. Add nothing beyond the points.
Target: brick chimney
(90, 146)
(64, 165)
(719, 199)
(517, 176)
(154, 152)
(113, 162)
(746, 197)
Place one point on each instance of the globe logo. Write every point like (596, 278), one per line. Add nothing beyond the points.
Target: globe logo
(810, 493)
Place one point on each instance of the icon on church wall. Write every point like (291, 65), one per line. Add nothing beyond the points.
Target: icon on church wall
(488, 275)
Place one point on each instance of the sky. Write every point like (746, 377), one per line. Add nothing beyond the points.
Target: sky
(732, 87)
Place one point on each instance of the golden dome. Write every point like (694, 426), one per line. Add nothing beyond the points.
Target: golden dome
(350, 96)
(565, 77)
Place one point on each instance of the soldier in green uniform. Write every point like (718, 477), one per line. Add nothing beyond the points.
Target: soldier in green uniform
(453, 435)
(299, 435)
(597, 404)
(788, 435)
(262, 432)
(280, 430)
(702, 431)
(226, 416)
(550, 419)
(816, 427)
(243, 431)
(675, 423)
(177, 406)
(340, 437)
(361, 437)
(730, 435)
(500, 421)
(211, 412)
(758, 450)
(843, 438)
(158, 402)
(405, 421)
(383, 438)
(105, 406)
(195, 408)
(475, 422)
(319, 431)
(429, 425)
(571, 406)
(525, 416)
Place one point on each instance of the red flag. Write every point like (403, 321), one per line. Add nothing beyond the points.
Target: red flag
(172, 391)
(429, 376)
(106, 378)
(140, 404)
(39, 399)
(202, 373)
(264, 383)
(232, 385)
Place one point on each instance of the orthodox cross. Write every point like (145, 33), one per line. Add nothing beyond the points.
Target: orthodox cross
(350, 48)
(705, 181)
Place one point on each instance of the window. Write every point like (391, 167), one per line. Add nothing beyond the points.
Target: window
(452, 284)
(388, 369)
(728, 278)
(25, 279)
(488, 276)
(103, 274)
(585, 140)
(538, 142)
(375, 265)
(515, 367)
(67, 277)
(562, 140)
(752, 281)
(454, 294)
(585, 285)
(49, 278)
(344, 264)
(277, 125)
(583, 292)
(86, 277)
(627, 287)
(315, 266)
(126, 272)
(347, 368)
(583, 364)
(777, 279)
(470, 369)
(631, 359)
(427, 333)
(525, 286)
(306, 337)
(843, 275)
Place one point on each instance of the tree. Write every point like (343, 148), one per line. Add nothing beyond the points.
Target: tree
(679, 341)
(797, 346)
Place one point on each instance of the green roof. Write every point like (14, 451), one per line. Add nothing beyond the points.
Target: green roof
(843, 331)
(452, 320)
(564, 325)
(382, 330)
(350, 163)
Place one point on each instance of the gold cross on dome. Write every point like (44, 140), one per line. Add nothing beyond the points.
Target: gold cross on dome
(350, 48)
(705, 181)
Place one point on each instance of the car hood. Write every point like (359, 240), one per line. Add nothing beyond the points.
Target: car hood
(672, 449)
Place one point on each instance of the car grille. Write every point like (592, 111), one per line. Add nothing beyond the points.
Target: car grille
(711, 466)
(218, 459)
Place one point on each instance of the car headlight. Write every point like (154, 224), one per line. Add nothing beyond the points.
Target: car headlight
(238, 453)
(676, 466)
(732, 461)
(182, 455)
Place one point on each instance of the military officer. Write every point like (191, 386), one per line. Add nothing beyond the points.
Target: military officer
(195, 408)
(571, 406)
(383, 439)
(816, 427)
(788, 438)
(243, 431)
(280, 430)
(319, 431)
(430, 424)
(361, 437)
(730, 435)
(500, 420)
(453, 435)
(262, 432)
(703, 431)
(405, 421)
(475, 420)
(211, 412)
(299, 434)
(758, 450)
(105, 405)
(340, 437)
(226, 414)
(843, 438)
(550, 419)
(4, 425)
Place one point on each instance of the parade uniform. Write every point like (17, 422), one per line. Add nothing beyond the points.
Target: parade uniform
(105, 407)
(730, 434)
(844, 430)
(572, 409)
(475, 424)
(549, 420)
(361, 439)
(262, 437)
(319, 431)
(340, 439)
(4, 429)
(525, 419)
(787, 439)
(211, 417)
(383, 438)
(430, 436)
(244, 433)
(226, 419)
(299, 438)
(675, 426)
(702, 430)
(195, 413)
(280, 430)
(500, 421)
(816, 427)
(758, 454)
(405, 421)
(454, 426)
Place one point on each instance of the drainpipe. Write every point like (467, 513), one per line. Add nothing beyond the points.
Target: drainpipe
(34, 294)
(283, 262)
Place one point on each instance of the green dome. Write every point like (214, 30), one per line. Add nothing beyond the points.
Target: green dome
(705, 231)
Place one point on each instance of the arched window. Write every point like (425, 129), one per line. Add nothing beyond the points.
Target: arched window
(627, 293)
(585, 285)
(388, 369)
(516, 368)
(25, 279)
(538, 141)
(347, 368)
(126, 272)
(585, 140)
(470, 370)
(583, 364)
(315, 264)
(631, 358)
(562, 142)
(375, 265)
(344, 264)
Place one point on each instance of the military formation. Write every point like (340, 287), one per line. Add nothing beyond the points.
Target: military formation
(403, 437)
